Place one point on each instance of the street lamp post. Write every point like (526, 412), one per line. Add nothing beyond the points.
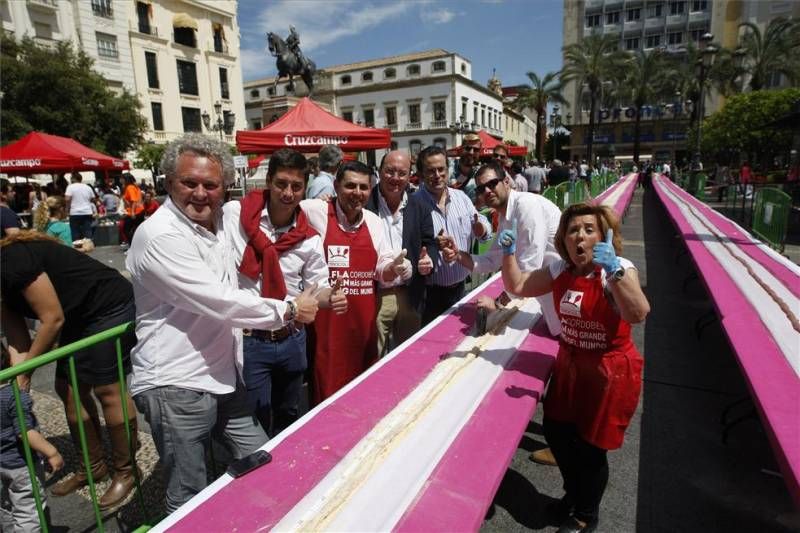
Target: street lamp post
(223, 124)
(461, 126)
(707, 54)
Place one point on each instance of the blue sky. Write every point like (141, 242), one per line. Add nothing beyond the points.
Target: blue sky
(513, 36)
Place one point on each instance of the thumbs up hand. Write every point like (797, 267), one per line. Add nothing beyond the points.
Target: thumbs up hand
(425, 263)
(604, 255)
(402, 266)
(306, 305)
(508, 239)
(337, 300)
(477, 228)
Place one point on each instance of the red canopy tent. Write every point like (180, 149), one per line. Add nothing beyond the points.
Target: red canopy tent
(43, 153)
(307, 128)
(487, 147)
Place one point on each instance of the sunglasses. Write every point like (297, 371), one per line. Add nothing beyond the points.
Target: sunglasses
(491, 184)
(471, 149)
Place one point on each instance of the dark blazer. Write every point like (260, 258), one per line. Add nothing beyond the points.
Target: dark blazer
(417, 232)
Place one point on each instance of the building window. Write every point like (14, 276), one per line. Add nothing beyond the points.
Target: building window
(475, 114)
(185, 36)
(102, 8)
(413, 70)
(774, 79)
(389, 74)
(440, 142)
(229, 117)
(151, 60)
(347, 115)
(143, 17)
(464, 110)
(675, 38)
(254, 93)
(632, 44)
(369, 117)
(414, 114)
(699, 5)
(593, 20)
(612, 17)
(655, 10)
(158, 117)
(483, 118)
(652, 41)
(256, 125)
(224, 91)
(271, 91)
(439, 113)
(187, 78)
(366, 76)
(42, 30)
(345, 80)
(219, 39)
(391, 116)
(191, 119)
(107, 46)
(415, 147)
(633, 14)
(464, 69)
(695, 35)
(438, 66)
(676, 8)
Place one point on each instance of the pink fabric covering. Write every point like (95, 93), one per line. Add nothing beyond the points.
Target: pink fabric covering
(629, 184)
(773, 383)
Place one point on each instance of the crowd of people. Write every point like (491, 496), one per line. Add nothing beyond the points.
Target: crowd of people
(235, 304)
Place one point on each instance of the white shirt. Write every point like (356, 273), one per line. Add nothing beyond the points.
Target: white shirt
(520, 183)
(537, 221)
(187, 306)
(393, 232)
(302, 266)
(317, 213)
(81, 198)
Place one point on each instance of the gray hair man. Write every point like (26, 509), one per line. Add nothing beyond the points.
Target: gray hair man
(186, 373)
(330, 158)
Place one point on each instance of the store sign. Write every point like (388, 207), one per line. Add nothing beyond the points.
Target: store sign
(240, 161)
(90, 162)
(313, 140)
(20, 162)
(647, 112)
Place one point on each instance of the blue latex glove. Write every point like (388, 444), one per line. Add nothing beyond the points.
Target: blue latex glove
(603, 254)
(507, 239)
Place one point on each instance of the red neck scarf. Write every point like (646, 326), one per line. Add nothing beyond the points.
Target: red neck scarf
(261, 254)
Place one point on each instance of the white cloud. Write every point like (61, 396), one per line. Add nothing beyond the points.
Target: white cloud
(442, 16)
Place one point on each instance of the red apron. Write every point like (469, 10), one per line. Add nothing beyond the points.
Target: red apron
(347, 344)
(597, 376)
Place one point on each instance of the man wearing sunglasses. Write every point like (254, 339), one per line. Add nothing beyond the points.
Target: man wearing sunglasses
(464, 174)
(535, 219)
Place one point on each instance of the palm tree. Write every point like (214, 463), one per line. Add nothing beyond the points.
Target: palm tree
(646, 80)
(776, 50)
(536, 96)
(590, 63)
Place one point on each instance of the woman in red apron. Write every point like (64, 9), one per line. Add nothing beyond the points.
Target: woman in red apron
(346, 344)
(597, 376)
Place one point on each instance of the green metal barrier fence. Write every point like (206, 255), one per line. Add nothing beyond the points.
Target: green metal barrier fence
(771, 216)
(699, 187)
(562, 194)
(577, 193)
(550, 194)
(10, 374)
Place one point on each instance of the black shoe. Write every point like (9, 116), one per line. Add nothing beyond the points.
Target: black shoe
(559, 510)
(573, 525)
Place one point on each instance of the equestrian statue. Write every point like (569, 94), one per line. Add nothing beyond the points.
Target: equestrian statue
(290, 60)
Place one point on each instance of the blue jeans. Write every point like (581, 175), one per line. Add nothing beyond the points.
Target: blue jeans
(273, 373)
(81, 226)
(182, 423)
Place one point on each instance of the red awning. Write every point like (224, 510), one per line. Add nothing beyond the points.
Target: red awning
(43, 153)
(307, 128)
(487, 147)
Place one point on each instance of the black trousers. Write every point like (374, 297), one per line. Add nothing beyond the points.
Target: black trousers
(439, 299)
(583, 466)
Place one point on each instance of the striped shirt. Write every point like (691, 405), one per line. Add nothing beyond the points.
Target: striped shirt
(455, 220)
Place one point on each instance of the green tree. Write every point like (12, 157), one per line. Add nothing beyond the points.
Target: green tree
(775, 50)
(593, 63)
(741, 127)
(56, 91)
(645, 82)
(149, 156)
(561, 140)
(536, 96)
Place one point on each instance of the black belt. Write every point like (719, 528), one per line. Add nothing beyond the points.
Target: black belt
(272, 335)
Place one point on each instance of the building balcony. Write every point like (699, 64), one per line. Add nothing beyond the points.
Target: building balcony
(656, 22)
(699, 17)
(438, 124)
(677, 20)
(46, 42)
(612, 28)
(220, 47)
(413, 126)
(47, 6)
(392, 127)
(591, 4)
(634, 25)
(611, 4)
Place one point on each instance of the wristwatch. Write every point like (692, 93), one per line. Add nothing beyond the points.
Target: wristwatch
(291, 311)
(617, 275)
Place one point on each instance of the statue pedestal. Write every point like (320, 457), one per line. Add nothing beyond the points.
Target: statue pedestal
(277, 106)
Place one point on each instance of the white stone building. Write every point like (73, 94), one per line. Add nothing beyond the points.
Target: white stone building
(417, 96)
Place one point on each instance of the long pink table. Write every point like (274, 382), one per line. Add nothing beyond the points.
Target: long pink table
(619, 195)
(755, 292)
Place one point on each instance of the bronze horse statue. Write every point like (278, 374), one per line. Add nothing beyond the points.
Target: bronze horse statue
(289, 64)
